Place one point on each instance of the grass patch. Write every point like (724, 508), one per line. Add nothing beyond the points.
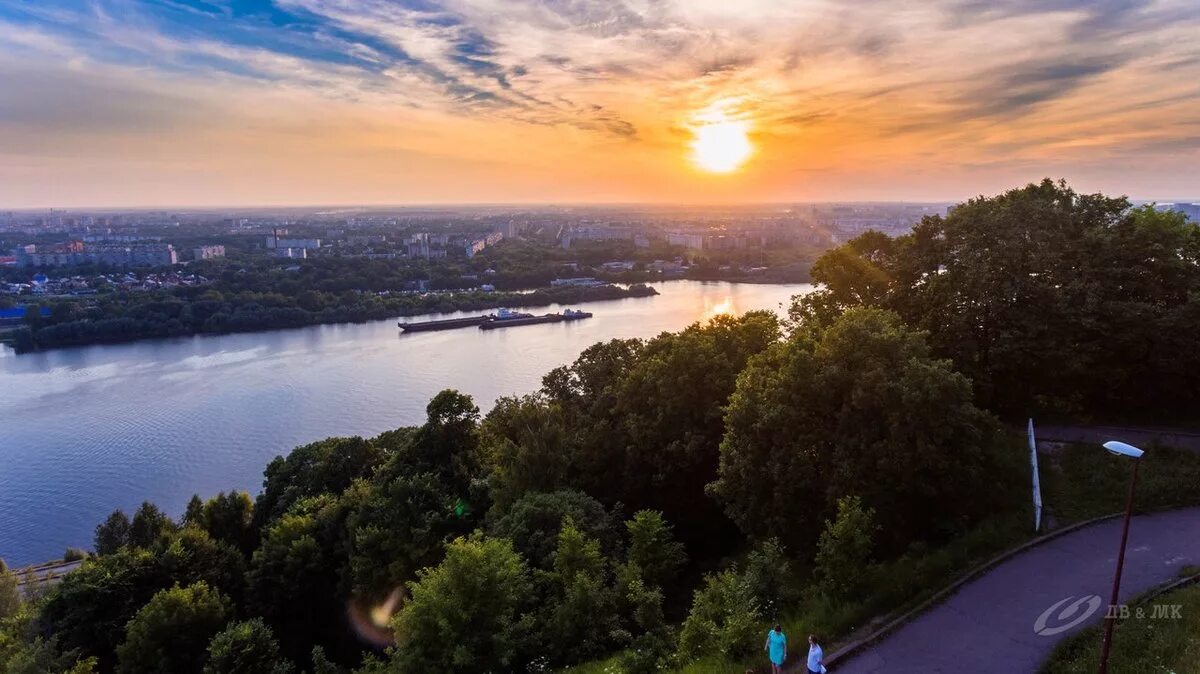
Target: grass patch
(1082, 481)
(1140, 646)
(610, 665)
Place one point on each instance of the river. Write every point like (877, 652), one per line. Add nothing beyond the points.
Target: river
(86, 430)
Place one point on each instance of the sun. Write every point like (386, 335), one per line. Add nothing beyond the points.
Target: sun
(721, 146)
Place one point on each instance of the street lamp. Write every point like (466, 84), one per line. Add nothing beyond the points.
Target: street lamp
(1119, 449)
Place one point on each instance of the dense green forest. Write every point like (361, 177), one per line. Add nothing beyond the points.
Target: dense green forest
(660, 502)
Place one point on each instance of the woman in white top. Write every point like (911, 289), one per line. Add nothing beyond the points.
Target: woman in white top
(816, 656)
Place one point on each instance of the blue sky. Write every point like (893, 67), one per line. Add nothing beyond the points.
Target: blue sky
(115, 102)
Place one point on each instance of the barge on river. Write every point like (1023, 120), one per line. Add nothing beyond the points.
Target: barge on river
(502, 319)
(513, 320)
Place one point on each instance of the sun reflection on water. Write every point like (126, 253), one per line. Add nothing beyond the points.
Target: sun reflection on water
(712, 308)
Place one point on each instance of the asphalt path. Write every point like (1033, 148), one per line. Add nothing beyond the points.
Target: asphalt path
(1010, 619)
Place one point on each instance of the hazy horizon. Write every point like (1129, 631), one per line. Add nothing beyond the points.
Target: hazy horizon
(521, 205)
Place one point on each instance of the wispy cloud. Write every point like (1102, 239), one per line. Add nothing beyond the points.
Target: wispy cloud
(840, 85)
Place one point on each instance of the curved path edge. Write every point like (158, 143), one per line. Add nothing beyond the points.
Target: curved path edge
(1011, 612)
(848, 651)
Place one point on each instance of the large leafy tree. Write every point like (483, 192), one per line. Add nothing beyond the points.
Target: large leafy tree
(246, 647)
(533, 523)
(325, 467)
(402, 525)
(526, 447)
(1049, 300)
(448, 442)
(227, 517)
(171, 632)
(858, 407)
(465, 615)
(149, 524)
(295, 577)
(112, 534)
(192, 556)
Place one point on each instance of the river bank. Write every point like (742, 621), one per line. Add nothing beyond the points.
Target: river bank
(210, 316)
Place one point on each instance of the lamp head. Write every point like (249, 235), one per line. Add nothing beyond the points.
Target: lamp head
(1122, 449)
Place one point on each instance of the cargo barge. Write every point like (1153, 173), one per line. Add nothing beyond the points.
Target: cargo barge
(514, 320)
(447, 324)
(502, 319)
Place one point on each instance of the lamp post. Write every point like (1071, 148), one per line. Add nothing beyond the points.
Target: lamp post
(1119, 449)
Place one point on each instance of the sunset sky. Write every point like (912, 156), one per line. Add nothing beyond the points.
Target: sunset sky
(184, 102)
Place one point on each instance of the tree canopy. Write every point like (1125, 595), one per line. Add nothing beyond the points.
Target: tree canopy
(1048, 300)
(858, 407)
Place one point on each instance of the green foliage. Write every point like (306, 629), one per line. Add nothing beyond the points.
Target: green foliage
(725, 619)
(635, 422)
(533, 523)
(88, 610)
(325, 467)
(401, 527)
(294, 577)
(10, 601)
(246, 647)
(447, 444)
(1048, 300)
(112, 534)
(74, 555)
(653, 548)
(227, 517)
(768, 577)
(858, 407)
(844, 550)
(579, 620)
(193, 556)
(425, 494)
(526, 448)
(149, 525)
(465, 614)
(37, 655)
(668, 410)
(171, 632)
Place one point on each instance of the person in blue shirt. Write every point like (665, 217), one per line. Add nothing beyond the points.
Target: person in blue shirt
(816, 656)
(776, 648)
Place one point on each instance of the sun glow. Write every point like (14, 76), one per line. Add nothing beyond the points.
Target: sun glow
(720, 144)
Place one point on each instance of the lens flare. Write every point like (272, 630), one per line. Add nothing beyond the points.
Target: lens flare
(372, 623)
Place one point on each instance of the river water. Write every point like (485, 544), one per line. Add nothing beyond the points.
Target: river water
(86, 430)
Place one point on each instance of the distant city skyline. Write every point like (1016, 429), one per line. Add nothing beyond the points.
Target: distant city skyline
(256, 103)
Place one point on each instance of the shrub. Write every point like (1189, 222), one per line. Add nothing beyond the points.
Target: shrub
(844, 551)
(725, 619)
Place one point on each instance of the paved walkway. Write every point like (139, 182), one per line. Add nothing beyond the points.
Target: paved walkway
(989, 625)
